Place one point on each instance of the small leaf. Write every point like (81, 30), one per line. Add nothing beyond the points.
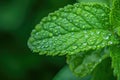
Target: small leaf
(84, 63)
(115, 55)
(73, 29)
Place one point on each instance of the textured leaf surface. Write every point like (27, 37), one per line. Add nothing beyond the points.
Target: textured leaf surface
(108, 2)
(115, 55)
(115, 16)
(84, 63)
(72, 29)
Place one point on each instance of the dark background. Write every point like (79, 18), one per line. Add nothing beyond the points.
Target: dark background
(17, 19)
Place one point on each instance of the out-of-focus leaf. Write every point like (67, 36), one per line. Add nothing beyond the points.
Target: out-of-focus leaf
(115, 55)
(66, 74)
(103, 71)
(115, 16)
(84, 63)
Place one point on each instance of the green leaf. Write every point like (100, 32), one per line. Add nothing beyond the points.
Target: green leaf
(108, 2)
(84, 63)
(115, 55)
(103, 71)
(73, 29)
(115, 16)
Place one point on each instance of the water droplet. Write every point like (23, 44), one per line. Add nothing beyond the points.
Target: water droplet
(38, 27)
(49, 18)
(73, 29)
(84, 44)
(92, 33)
(79, 11)
(94, 47)
(54, 18)
(85, 32)
(110, 42)
(50, 34)
(106, 38)
(87, 8)
(31, 39)
(86, 15)
(74, 47)
(56, 31)
(100, 60)
(102, 15)
(83, 26)
(98, 46)
(71, 20)
(98, 32)
(103, 44)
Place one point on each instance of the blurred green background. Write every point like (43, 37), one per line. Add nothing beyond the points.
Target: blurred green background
(17, 19)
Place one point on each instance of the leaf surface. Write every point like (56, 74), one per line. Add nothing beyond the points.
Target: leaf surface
(73, 29)
(108, 2)
(115, 55)
(115, 16)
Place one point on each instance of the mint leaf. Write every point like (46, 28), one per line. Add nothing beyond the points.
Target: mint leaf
(103, 71)
(73, 29)
(115, 55)
(115, 16)
(108, 2)
(84, 63)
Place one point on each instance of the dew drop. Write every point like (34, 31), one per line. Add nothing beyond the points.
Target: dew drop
(92, 33)
(54, 18)
(110, 42)
(106, 38)
(87, 8)
(98, 32)
(85, 32)
(55, 31)
(50, 34)
(73, 29)
(83, 26)
(84, 44)
(94, 47)
(102, 15)
(86, 36)
(98, 46)
(38, 27)
(31, 39)
(74, 47)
